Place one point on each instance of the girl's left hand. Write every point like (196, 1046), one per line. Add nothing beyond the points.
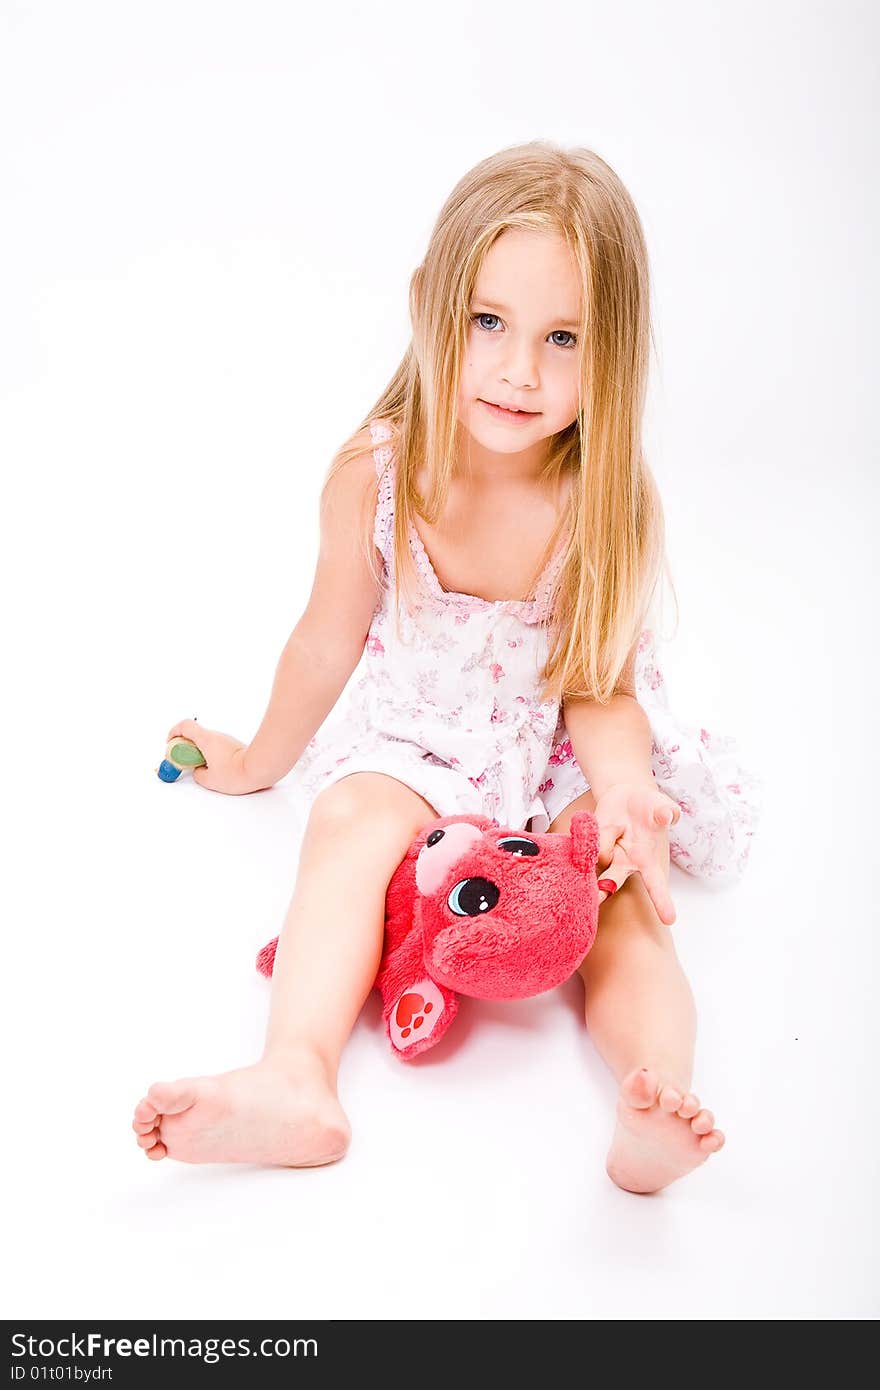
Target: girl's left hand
(638, 815)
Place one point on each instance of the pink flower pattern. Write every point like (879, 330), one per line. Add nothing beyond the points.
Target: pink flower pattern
(452, 709)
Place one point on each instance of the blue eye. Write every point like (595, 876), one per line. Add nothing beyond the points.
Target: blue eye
(475, 318)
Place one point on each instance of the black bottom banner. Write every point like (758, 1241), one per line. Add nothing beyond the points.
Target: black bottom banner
(146, 1353)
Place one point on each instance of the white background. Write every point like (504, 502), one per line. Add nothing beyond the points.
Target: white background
(210, 213)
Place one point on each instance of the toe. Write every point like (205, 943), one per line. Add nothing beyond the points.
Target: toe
(145, 1111)
(157, 1151)
(146, 1141)
(670, 1099)
(143, 1126)
(703, 1122)
(170, 1097)
(689, 1106)
(711, 1143)
(639, 1089)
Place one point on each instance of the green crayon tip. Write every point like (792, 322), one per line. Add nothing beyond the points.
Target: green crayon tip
(186, 754)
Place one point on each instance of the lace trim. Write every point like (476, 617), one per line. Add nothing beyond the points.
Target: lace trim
(382, 537)
(530, 610)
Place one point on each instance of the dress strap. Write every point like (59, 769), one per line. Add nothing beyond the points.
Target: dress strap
(383, 528)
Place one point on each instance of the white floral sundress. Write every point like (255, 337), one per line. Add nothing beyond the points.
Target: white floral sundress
(452, 710)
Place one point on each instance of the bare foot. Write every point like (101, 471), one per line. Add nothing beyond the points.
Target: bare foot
(259, 1114)
(661, 1134)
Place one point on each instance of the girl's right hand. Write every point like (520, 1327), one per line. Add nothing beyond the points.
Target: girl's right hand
(224, 759)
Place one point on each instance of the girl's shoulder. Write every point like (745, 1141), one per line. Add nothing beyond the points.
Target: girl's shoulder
(380, 430)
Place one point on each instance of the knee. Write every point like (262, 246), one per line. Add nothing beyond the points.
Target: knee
(364, 807)
(342, 809)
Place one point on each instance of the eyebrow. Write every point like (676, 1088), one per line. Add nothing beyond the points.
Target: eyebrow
(505, 309)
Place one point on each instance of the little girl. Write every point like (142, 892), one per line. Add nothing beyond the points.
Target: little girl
(491, 540)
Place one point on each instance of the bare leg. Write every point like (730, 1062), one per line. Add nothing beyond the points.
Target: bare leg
(640, 1014)
(284, 1109)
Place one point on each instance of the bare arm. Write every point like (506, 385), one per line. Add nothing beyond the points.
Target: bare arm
(612, 743)
(328, 641)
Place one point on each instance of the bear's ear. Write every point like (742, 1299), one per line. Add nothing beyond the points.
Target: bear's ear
(584, 832)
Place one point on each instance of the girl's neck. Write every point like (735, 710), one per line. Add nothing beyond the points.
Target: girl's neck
(482, 467)
(494, 489)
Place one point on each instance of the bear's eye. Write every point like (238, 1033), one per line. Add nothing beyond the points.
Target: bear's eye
(471, 897)
(434, 836)
(518, 844)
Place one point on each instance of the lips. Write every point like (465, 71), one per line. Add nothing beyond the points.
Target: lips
(517, 410)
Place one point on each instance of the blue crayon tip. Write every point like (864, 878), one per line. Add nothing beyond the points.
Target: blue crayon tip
(167, 771)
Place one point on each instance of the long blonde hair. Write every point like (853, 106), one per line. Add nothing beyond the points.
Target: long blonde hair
(615, 552)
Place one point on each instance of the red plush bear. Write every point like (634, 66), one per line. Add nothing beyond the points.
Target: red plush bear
(474, 908)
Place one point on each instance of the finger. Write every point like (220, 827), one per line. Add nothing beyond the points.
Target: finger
(666, 811)
(651, 808)
(608, 837)
(185, 728)
(659, 894)
(642, 822)
(619, 867)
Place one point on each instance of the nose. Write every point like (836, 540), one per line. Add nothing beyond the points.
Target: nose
(435, 858)
(519, 368)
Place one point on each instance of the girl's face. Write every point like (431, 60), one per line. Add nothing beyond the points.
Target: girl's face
(525, 317)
